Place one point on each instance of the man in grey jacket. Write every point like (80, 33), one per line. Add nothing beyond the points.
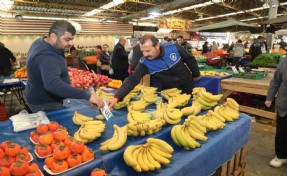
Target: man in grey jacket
(278, 85)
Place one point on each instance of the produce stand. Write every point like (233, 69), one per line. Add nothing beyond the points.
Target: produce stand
(220, 147)
(252, 86)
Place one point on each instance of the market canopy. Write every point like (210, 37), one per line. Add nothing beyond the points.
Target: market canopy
(230, 25)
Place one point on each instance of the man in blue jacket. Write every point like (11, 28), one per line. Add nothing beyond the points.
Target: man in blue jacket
(169, 63)
(49, 82)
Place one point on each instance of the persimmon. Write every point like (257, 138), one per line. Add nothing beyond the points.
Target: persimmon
(19, 168)
(68, 141)
(61, 152)
(46, 138)
(53, 126)
(35, 138)
(24, 150)
(43, 150)
(77, 147)
(42, 128)
(23, 156)
(6, 161)
(56, 143)
(49, 161)
(60, 134)
(32, 134)
(2, 153)
(59, 166)
(3, 145)
(74, 160)
(33, 166)
(98, 172)
(33, 173)
(12, 149)
(4, 171)
(87, 154)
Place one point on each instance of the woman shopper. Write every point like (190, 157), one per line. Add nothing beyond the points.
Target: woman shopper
(105, 59)
(239, 51)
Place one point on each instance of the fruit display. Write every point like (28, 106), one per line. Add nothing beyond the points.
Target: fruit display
(80, 119)
(178, 100)
(115, 83)
(90, 131)
(148, 156)
(229, 110)
(127, 98)
(84, 79)
(99, 172)
(213, 73)
(104, 95)
(194, 109)
(21, 73)
(212, 121)
(135, 116)
(169, 93)
(206, 99)
(117, 141)
(169, 115)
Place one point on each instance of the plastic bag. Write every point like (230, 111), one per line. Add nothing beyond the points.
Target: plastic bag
(111, 71)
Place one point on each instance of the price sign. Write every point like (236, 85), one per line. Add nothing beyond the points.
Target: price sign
(106, 111)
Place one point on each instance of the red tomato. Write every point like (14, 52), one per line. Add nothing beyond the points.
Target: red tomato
(98, 172)
(59, 166)
(46, 138)
(42, 128)
(6, 161)
(77, 147)
(74, 160)
(4, 171)
(61, 152)
(12, 149)
(19, 168)
(53, 126)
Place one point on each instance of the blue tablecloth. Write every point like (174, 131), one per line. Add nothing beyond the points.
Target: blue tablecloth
(218, 149)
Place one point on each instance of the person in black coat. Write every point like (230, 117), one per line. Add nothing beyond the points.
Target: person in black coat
(6, 57)
(205, 48)
(136, 55)
(120, 62)
(105, 59)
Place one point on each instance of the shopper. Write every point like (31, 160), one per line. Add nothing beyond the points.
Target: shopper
(105, 59)
(97, 66)
(278, 88)
(238, 53)
(120, 61)
(184, 44)
(205, 48)
(49, 83)
(214, 46)
(169, 63)
(135, 57)
(6, 60)
(257, 48)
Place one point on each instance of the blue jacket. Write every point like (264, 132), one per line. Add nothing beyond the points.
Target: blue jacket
(174, 67)
(48, 78)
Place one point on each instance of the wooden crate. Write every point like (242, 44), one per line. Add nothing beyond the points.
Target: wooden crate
(234, 167)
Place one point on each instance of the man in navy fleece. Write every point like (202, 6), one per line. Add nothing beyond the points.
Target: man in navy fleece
(49, 83)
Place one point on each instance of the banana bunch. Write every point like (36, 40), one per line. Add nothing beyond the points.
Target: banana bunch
(212, 121)
(125, 101)
(90, 131)
(181, 136)
(208, 73)
(206, 99)
(137, 88)
(135, 116)
(139, 105)
(144, 128)
(178, 100)
(194, 109)
(148, 90)
(104, 95)
(80, 119)
(169, 93)
(117, 141)
(196, 129)
(223, 74)
(170, 115)
(149, 156)
(229, 110)
(149, 97)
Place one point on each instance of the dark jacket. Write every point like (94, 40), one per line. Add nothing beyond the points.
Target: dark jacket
(205, 49)
(174, 67)
(186, 46)
(120, 58)
(255, 49)
(105, 59)
(5, 56)
(137, 54)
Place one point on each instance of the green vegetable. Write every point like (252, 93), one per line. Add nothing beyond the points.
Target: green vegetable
(82, 54)
(271, 59)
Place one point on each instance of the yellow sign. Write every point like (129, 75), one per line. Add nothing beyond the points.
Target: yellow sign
(175, 24)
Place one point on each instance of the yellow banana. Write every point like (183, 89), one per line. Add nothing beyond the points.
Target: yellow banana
(231, 112)
(191, 142)
(84, 135)
(160, 144)
(225, 116)
(135, 156)
(170, 121)
(219, 117)
(94, 122)
(173, 136)
(187, 110)
(121, 140)
(77, 121)
(195, 134)
(150, 166)
(233, 103)
(130, 161)
(155, 163)
(211, 97)
(100, 117)
(158, 157)
(105, 145)
(198, 126)
(83, 117)
(78, 138)
(174, 113)
(181, 140)
(160, 152)
(140, 161)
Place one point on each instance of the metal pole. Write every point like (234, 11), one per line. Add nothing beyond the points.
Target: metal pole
(271, 14)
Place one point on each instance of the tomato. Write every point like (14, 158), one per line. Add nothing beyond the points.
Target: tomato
(59, 166)
(43, 150)
(87, 154)
(23, 156)
(56, 143)
(46, 138)
(61, 152)
(74, 160)
(49, 161)
(53, 126)
(3, 145)
(2, 153)
(4, 171)
(60, 134)
(33, 166)
(35, 138)
(12, 149)
(98, 172)
(6, 161)
(68, 141)
(42, 128)
(77, 147)
(34, 173)
(19, 168)
(24, 150)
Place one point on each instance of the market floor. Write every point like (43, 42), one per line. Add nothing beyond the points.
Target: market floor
(260, 148)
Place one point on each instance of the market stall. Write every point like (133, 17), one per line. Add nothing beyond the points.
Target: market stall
(218, 149)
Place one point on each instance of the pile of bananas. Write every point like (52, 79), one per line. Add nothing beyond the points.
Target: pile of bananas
(178, 100)
(204, 98)
(144, 128)
(90, 131)
(104, 95)
(125, 101)
(194, 109)
(149, 156)
(229, 110)
(135, 116)
(169, 93)
(117, 141)
(213, 73)
(212, 121)
(170, 115)
(80, 119)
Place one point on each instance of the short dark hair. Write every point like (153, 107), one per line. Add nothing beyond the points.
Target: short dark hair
(259, 37)
(99, 47)
(106, 45)
(60, 27)
(165, 38)
(239, 41)
(180, 36)
(146, 37)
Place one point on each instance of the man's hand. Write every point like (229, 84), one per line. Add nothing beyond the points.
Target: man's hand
(268, 103)
(111, 102)
(96, 100)
(196, 79)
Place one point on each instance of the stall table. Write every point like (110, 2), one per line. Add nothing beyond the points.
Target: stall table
(257, 87)
(220, 147)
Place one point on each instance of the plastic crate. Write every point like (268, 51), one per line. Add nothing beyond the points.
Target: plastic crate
(250, 75)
